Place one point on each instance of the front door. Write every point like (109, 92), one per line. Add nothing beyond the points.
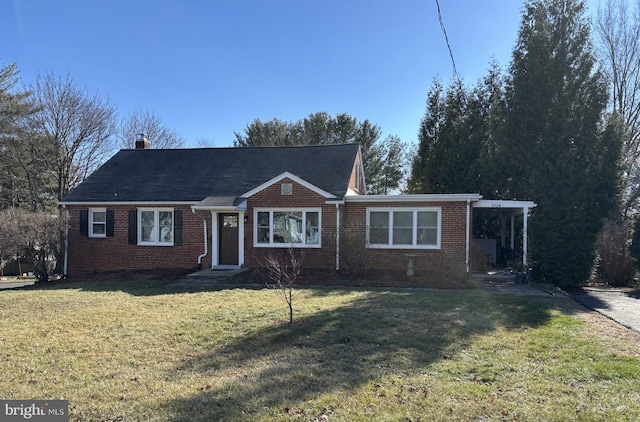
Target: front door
(228, 239)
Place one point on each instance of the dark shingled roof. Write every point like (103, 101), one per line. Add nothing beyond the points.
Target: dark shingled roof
(158, 175)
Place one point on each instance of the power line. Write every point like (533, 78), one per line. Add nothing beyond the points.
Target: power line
(446, 38)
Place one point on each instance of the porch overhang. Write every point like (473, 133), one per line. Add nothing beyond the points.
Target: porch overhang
(510, 208)
(221, 203)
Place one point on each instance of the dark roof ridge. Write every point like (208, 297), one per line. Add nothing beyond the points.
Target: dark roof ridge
(238, 147)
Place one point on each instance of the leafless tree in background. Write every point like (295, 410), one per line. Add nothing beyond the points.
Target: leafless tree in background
(145, 121)
(72, 132)
(618, 42)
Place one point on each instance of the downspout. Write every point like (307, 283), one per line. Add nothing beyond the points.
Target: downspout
(337, 237)
(66, 241)
(467, 245)
(206, 242)
(524, 238)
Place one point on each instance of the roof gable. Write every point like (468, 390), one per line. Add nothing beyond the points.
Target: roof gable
(191, 175)
(293, 177)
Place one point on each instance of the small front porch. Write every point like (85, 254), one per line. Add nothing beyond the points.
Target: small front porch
(227, 218)
(217, 273)
(503, 255)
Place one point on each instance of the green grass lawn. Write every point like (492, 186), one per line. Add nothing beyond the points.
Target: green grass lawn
(150, 351)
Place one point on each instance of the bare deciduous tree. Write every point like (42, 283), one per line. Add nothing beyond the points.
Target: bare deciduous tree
(74, 130)
(618, 35)
(284, 270)
(151, 125)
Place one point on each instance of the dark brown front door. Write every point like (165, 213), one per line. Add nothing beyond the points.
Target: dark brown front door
(228, 239)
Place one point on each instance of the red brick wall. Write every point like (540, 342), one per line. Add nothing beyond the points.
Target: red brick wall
(450, 258)
(89, 255)
(301, 197)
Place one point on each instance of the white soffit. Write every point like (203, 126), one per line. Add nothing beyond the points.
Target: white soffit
(445, 197)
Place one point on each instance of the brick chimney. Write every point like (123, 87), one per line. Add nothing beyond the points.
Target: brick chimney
(142, 142)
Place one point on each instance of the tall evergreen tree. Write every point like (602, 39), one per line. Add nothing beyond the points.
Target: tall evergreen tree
(456, 138)
(17, 183)
(558, 155)
(421, 180)
(322, 129)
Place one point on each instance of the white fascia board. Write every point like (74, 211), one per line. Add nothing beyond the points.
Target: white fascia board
(444, 197)
(293, 177)
(501, 204)
(138, 203)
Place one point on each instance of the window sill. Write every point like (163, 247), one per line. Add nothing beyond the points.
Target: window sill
(411, 247)
(286, 245)
(154, 244)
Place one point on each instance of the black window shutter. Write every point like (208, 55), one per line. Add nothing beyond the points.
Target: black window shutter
(133, 227)
(177, 227)
(110, 223)
(84, 222)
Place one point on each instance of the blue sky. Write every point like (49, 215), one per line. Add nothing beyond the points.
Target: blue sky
(208, 68)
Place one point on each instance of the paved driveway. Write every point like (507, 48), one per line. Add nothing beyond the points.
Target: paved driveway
(621, 306)
(15, 285)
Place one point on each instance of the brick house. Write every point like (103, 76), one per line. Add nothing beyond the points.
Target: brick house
(212, 207)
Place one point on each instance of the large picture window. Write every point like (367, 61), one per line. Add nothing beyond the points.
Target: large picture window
(155, 226)
(403, 228)
(287, 227)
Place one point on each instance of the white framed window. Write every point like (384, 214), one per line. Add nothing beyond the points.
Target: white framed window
(284, 227)
(404, 228)
(97, 222)
(155, 226)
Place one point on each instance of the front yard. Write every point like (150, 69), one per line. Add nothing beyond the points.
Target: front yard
(153, 351)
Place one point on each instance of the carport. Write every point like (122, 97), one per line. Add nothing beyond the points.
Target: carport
(507, 210)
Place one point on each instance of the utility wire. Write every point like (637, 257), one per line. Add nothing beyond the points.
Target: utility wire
(446, 38)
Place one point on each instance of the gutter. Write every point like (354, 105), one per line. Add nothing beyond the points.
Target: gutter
(337, 236)
(467, 245)
(206, 241)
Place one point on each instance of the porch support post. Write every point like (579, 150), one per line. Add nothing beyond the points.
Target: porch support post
(524, 237)
(513, 232)
(503, 231)
(467, 245)
(241, 238)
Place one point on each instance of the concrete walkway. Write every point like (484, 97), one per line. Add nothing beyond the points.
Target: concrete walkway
(622, 306)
